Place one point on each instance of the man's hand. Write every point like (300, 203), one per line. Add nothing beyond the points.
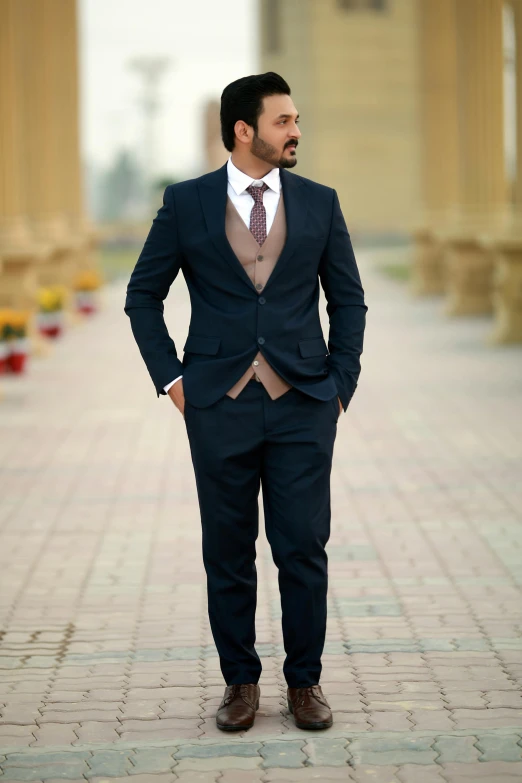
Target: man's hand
(177, 396)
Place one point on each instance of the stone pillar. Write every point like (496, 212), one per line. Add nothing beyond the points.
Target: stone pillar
(439, 138)
(43, 46)
(507, 247)
(17, 251)
(483, 187)
(215, 153)
(70, 172)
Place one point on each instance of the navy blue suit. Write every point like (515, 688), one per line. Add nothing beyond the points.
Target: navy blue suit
(238, 445)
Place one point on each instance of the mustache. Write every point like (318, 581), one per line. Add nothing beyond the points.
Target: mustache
(292, 144)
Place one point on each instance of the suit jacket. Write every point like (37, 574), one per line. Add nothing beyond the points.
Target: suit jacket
(229, 321)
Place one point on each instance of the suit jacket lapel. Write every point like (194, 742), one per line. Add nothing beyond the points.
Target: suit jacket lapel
(296, 208)
(213, 197)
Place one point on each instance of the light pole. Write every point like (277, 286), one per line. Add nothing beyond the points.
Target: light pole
(150, 69)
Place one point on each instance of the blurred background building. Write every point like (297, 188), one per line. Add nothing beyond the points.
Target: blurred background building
(411, 109)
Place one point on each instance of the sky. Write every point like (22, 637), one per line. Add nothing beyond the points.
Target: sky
(208, 44)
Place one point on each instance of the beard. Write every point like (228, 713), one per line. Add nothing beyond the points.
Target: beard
(267, 153)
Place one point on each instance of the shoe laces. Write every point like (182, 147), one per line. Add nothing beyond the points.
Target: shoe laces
(309, 692)
(237, 690)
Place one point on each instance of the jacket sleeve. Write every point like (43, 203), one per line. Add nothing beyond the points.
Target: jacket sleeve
(156, 269)
(346, 308)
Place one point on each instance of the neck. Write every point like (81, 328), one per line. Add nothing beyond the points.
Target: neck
(251, 166)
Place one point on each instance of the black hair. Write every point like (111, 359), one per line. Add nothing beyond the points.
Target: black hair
(243, 100)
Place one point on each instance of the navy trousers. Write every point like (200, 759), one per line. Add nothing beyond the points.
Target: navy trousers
(284, 446)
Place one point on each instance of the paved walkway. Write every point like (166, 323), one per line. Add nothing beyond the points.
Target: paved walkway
(107, 665)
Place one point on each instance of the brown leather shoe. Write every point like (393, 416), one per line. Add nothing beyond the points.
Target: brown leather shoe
(309, 708)
(237, 710)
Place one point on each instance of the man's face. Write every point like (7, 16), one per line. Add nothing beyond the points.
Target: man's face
(277, 132)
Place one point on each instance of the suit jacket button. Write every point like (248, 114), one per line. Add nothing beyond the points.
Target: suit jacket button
(262, 300)
(261, 340)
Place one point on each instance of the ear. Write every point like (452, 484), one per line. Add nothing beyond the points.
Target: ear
(243, 132)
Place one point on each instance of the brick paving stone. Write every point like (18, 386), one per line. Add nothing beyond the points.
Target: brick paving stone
(94, 731)
(465, 700)
(500, 747)
(142, 778)
(347, 721)
(78, 716)
(20, 714)
(173, 708)
(389, 721)
(307, 773)
(145, 710)
(431, 720)
(143, 694)
(65, 767)
(8, 731)
(487, 771)
(413, 773)
(504, 699)
(268, 727)
(487, 719)
(218, 763)
(218, 749)
(326, 752)
(151, 761)
(461, 749)
(166, 723)
(365, 773)
(283, 754)
(241, 776)
(399, 702)
(159, 733)
(63, 780)
(402, 750)
(55, 734)
(109, 763)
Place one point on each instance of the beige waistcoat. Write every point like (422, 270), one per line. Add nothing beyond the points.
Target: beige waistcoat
(258, 263)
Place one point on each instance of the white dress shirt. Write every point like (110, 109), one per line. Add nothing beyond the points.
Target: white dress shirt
(238, 182)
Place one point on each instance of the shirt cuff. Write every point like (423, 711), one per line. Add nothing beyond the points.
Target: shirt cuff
(167, 387)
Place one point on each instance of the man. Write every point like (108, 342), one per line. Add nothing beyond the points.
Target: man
(259, 389)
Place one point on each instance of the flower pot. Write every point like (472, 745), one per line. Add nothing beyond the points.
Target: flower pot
(50, 324)
(86, 302)
(3, 357)
(17, 362)
(17, 359)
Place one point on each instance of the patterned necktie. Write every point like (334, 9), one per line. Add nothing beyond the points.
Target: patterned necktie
(258, 214)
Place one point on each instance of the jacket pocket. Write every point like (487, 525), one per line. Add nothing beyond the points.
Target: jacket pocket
(314, 347)
(206, 345)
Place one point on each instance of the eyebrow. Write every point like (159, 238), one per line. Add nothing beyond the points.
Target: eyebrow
(285, 116)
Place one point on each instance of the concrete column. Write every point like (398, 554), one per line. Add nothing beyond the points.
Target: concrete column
(18, 256)
(507, 245)
(439, 138)
(51, 143)
(483, 187)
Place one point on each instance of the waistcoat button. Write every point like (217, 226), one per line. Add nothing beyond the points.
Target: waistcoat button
(262, 300)
(261, 340)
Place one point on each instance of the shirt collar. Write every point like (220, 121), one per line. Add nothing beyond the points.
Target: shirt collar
(241, 181)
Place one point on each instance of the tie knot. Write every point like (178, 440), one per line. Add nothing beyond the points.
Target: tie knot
(257, 192)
